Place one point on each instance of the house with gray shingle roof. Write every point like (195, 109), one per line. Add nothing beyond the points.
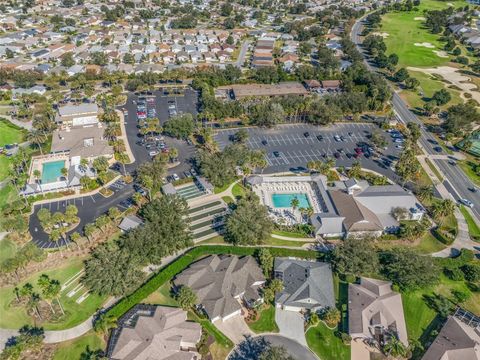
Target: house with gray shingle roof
(221, 282)
(307, 285)
(154, 332)
(375, 311)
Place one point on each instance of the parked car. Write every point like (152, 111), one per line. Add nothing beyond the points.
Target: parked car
(466, 202)
(320, 137)
(276, 154)
(337, 138)
(306, 134)
(175, 177)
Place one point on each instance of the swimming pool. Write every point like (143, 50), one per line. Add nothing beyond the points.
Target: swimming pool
(285, 200)
(52, 170)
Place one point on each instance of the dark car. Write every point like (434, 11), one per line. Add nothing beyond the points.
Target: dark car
(276, 154)
(437, 149)
(337, 155)
(306, 134)
(264, 142)
(320, 137)
(349, 155)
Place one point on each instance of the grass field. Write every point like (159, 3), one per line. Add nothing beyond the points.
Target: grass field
(162, 296)
(322, 341)
(289, 234)
(73, 349)
(404, 31)
(10, 133)
(15, 317)
(473, 228)
(266, 321)
(7, 249)
(468, 168)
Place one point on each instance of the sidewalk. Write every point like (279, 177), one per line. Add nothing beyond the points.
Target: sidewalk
(124, 137)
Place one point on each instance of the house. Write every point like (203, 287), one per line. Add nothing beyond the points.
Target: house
(456, 340)
(76, 115)
(154, 332)
(82, 142)
(240, 91)
(375, 311)
(307, 285)
(221, 282)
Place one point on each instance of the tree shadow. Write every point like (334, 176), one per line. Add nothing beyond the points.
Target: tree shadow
(250, 349)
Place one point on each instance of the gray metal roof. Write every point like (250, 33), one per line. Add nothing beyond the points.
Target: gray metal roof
(130, 222)
(81, 109)
(307, 284)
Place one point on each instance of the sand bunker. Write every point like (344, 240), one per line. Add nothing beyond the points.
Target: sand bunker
(382, 34)
(441, 53)
(425, 44)
(451, 75)
(419, 18)
(450, 4)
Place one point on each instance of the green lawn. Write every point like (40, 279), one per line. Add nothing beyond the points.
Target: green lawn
(322, 341)
(73, 349)
(220, 338)
(473, 228)
(289, 234)
(279, 242)
(10, 133)
(238, 191)
(429, 244)
(421, 319)
(468, 168)
(404, 31)
(162, 296)
(7, 249)
(15, 317)
(266, 321)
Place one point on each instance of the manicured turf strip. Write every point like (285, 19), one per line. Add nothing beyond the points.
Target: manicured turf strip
(209, 213)
(203, 207)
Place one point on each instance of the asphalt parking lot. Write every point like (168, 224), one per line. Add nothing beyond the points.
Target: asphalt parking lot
(287, 148)
(185, 103)
(89, 207)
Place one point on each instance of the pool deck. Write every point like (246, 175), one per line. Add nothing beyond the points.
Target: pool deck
(38, 161)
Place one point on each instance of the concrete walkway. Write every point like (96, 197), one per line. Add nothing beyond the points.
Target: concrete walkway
(25, 125)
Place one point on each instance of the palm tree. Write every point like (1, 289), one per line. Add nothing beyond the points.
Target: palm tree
(36, 174)
(104, 323)
(36, 137)
(395, 348)
(425, 193)
(123, 159)
(173, 154)
(89, 230)
(294, 203)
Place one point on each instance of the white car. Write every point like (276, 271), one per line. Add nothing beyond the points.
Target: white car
(466, 203)
(153, 153)
(175, 177)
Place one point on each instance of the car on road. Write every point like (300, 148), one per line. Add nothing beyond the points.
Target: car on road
(466, 202)
(473, 189)
(451, 162)
(437, 149)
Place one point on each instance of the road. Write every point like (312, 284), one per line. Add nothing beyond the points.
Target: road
(455, 181)
(241, 56)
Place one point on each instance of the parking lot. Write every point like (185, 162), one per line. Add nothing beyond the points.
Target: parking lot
(290, 147)
(184, 102)
(89, 207)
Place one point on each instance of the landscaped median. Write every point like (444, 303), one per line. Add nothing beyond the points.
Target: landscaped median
(473, 228)
(169, 271)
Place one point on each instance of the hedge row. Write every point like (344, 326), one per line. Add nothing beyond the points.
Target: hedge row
(168, 272)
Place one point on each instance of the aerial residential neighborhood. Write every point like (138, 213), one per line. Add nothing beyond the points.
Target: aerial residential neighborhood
(240, 180)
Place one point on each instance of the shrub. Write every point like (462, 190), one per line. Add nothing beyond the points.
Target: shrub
(472, 272)
(454, 274)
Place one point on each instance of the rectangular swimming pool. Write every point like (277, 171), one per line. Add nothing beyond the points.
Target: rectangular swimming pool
(51, 171)
(285, 200)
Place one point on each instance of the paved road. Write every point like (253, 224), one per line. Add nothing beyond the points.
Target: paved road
(241, 56)
(455, 179)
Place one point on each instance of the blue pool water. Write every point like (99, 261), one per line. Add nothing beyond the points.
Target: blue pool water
(285, 200)
(51, 171)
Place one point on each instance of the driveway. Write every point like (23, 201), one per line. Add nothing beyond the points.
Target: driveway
(235, 328)
(290, 324)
